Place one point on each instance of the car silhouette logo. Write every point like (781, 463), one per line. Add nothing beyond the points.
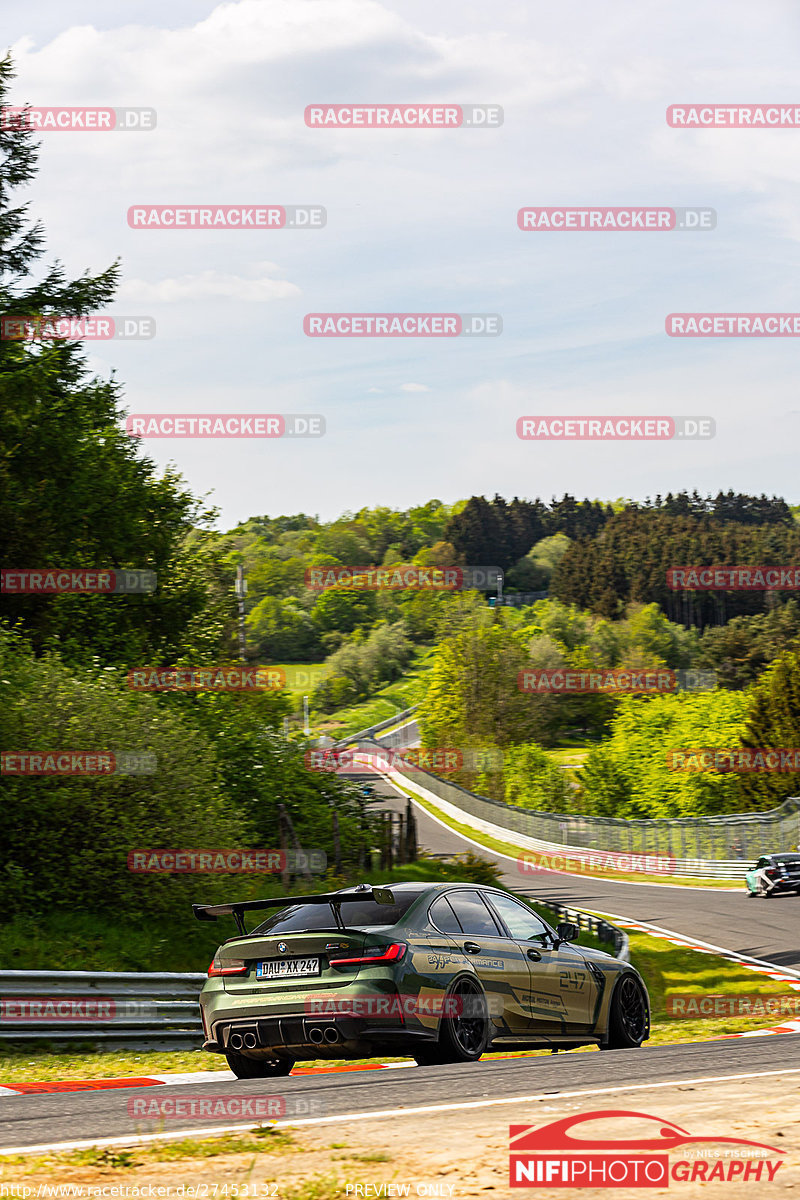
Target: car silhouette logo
(666, 1135)
(282, 947)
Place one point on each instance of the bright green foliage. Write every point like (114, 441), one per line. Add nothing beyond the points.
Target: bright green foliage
(627, 776)
(65, 840)
(532, 780)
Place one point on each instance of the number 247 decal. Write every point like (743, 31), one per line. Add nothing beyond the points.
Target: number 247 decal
(572, 981)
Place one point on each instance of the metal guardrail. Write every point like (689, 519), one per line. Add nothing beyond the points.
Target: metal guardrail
(366, 733)
(113, 1009)
(603, 930)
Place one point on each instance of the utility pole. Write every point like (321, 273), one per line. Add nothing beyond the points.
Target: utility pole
(241, 592)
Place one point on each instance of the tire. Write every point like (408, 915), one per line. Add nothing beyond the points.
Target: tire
(628, 1023)
(751, 895)
(462, 1038)
(257, 1068)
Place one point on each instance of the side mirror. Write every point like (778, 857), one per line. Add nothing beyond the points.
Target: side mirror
(567, 932)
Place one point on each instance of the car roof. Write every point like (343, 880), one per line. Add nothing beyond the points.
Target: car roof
(424, 886)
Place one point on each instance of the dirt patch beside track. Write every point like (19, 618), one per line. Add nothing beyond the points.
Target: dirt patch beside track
(451, 1152)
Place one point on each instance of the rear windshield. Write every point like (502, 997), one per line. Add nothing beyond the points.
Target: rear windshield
(355, 915)
(787, 858)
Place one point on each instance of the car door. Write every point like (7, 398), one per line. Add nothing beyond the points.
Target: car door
(499, 963)
(564, 991)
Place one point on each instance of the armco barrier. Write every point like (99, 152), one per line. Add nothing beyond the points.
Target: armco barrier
(110, 1009)
(715, 839)
(372, 729)
(603, 930)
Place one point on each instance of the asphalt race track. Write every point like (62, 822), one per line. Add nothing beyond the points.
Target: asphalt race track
(759, 929)
(765, 929)
(38, 1120)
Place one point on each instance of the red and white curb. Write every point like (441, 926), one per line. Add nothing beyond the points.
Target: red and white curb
(757, 965)
(176, 1077)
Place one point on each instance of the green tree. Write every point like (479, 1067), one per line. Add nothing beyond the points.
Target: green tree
(65, 840)
(773, 722)
(75, 490)
(739, 651)
(344, 609)
(532, 780)
(629, 775)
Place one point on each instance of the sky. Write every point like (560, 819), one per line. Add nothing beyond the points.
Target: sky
(425, 220)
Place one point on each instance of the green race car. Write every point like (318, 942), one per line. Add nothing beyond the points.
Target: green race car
(443, 972)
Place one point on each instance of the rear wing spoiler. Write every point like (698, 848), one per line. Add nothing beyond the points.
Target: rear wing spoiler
(210, 912)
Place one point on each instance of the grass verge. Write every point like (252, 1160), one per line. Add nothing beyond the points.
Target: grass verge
(387, 702)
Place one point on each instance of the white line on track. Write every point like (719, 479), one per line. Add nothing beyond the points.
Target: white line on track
(381, 1114)
(684, 940)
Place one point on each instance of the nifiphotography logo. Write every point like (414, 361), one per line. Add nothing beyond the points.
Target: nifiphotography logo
(553, 1155)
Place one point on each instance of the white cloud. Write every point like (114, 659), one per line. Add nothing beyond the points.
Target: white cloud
(424, 220)
(207, 285)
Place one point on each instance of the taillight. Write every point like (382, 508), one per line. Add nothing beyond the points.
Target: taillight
(376, 954)
(228, 966)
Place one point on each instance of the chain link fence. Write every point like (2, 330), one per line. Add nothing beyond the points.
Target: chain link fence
(728, 839)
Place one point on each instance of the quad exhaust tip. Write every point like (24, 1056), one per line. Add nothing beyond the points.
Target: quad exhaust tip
(250, 1041)
(331, 1034)
(315, 1035)
(235, 1041)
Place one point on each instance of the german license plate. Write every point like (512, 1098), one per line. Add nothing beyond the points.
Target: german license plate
(286, 968)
